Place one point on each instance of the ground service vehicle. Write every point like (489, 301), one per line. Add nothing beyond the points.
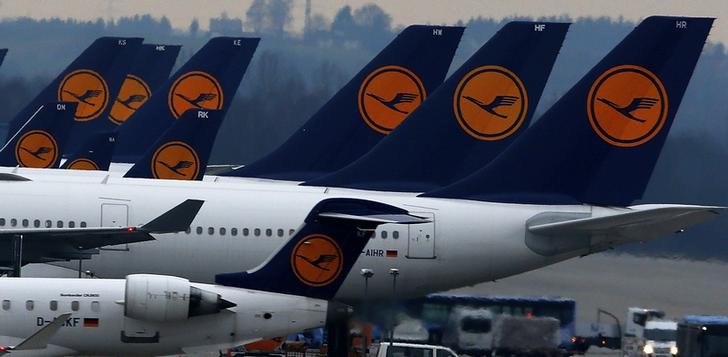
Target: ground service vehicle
(699, 336)
(634, 327)
(660, 338)
(465, 322)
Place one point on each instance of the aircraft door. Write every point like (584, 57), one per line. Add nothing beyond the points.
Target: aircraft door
(421, 243)
(115, 215)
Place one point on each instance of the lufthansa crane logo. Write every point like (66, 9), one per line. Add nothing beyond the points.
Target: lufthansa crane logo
(627, 106)
(388, 95)
(195, 90)
(317, 260)
(88, 89)
(490, 103)
(37, 149)
(175, 160)
(83, 164)
(133, 94)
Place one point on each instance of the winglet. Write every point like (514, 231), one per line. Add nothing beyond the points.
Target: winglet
(177, 219)
(39, 340)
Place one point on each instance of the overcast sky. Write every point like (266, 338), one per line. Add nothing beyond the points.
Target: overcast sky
(404, 12)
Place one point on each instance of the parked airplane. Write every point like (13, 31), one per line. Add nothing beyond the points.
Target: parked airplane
(147, 70)
(416, 60)
(208, 80)
(367, 108)
(565, 190)
(181, 153)
(92, 80)
(481, 109)
(42, 138)
(160, 315)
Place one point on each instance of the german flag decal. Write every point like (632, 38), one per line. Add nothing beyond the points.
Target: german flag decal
(391, 253)
(90, 322)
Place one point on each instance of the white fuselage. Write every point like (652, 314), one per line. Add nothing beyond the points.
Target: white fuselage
(467, 243)
(98, 322)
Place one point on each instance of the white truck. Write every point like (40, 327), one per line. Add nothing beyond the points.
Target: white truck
(402, 349)
(660, 339)
(634, 328)
(469, 330)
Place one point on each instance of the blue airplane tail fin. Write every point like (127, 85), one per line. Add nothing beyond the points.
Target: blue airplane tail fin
(95, 153)
(470, 119)
(207, 81)
(92, 80)
(146, 70)
(599, 143)
(367, 108)
(319, 256)
(182, 152)
(39, 141)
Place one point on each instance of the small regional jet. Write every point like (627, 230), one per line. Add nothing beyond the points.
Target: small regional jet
(160, 315)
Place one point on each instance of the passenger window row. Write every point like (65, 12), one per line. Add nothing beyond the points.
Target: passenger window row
(244, 232)
(386, 234)
(268, 232)
(37, 223)
(52, 305)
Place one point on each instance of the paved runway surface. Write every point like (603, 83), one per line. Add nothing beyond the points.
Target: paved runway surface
(614, 282)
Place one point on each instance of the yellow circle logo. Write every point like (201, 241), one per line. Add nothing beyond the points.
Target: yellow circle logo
(194, 90)
(133, 94)
(175, 160)
(627, 106)
(88, 89)
(317, 260)
(37, 149)
(490, 103)
(83, 164)
(388, 95)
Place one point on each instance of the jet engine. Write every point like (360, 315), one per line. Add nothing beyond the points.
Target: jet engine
(164, 298)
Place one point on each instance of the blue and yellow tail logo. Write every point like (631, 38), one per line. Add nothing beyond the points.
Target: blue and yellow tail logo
(133, 94)
(175, 160)
(317, 260)
(490, 103)
(627, 106)
(83, 164)
(388, 95)
(37, 149)
(195, 90)
(88, 89)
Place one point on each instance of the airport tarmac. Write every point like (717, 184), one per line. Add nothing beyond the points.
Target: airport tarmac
(615, 282)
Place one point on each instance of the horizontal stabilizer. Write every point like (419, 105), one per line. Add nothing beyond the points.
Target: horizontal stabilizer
(177, 219)
(376, 218)
(13, 177)
(635, 224)
(39, 340)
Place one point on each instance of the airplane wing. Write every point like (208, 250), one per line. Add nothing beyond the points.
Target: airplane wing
(38, 340)
(42, 245)
(636, 224)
